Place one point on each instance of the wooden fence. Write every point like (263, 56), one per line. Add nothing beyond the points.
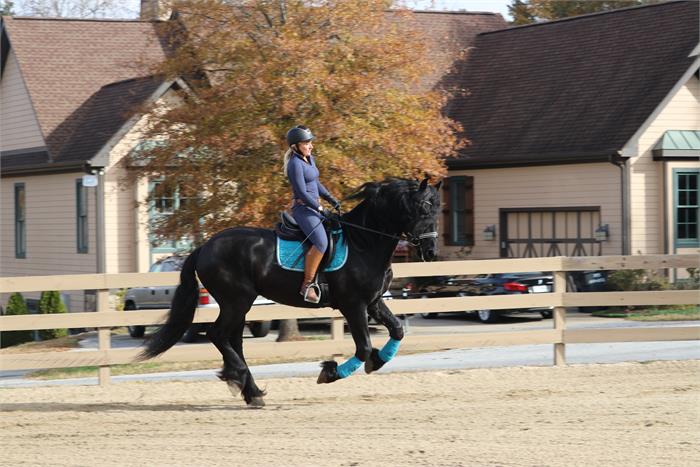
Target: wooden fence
(558, 336)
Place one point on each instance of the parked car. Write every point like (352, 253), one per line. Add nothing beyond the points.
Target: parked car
(483, 284)
(495, 284)
(590, 281)
(144, 298)
(434, 287)
(505, 284)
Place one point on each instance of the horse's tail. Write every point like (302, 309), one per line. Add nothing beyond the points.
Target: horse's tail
(181, 312)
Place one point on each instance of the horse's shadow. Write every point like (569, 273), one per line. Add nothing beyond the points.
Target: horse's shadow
(113, 407)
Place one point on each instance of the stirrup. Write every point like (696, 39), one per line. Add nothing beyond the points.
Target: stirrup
(305, 292)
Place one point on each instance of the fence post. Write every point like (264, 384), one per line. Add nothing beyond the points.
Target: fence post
(103, 337)
(337, 328)
(559, 316)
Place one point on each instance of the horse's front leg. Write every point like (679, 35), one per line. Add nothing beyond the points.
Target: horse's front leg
(356, 317)
(382, 314)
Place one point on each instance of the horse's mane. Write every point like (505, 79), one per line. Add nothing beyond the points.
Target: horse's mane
(387, 200)
(390, 188)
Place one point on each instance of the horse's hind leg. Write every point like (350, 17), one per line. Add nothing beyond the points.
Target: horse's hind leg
(380, 312)
(228, 325)
(252, 394)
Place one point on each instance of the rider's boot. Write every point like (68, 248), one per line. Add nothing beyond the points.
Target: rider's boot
(311, 261)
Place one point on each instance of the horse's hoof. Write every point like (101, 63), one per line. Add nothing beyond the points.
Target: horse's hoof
(373, 363)
(329, 372)
(256, 403)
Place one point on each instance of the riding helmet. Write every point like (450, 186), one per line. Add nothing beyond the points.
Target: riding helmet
(299, 134)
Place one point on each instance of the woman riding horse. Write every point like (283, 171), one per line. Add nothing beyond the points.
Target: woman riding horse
(238, 264)
(300, 169)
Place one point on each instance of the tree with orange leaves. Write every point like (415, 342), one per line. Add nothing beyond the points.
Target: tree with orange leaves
(349, 70)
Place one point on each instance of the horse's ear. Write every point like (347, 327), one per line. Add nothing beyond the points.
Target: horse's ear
(424, 184)
(438, 185)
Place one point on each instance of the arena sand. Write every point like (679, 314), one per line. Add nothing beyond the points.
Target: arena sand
(629, 414)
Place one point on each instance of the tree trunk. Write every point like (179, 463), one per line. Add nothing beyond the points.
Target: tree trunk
(289, 330)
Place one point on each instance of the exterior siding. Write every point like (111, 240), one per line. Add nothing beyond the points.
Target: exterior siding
(650, 223)
(121, 236)
(126, 215)
(19, 128)
(120, 229)
(51, 230)
(547, 186)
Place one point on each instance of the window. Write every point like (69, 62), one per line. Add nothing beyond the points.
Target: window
(81, 216)
(686, 207)
(20, 221)
(163, 198)
(458, 214)
(166, 198)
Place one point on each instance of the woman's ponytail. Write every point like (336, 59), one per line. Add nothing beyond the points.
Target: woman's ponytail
(285, 163)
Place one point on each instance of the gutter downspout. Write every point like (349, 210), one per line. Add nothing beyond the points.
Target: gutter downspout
(100, 221)
(621, 162)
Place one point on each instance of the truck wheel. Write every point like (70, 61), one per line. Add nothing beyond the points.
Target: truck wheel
(487, 316)
(428, 315)
(134, 331)
(259, 328)
(191, 334)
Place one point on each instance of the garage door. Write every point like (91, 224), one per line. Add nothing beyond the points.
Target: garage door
(538, 232)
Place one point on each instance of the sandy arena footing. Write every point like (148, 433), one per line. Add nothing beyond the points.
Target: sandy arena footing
(627, 414)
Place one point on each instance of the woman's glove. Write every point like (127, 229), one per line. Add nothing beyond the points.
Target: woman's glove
(333, 202)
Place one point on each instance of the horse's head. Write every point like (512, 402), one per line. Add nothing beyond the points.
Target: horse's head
(423, 206)
(404, 207)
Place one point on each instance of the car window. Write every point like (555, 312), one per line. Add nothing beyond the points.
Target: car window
(169, 266)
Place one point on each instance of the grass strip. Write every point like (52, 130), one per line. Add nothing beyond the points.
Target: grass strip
(676, 313)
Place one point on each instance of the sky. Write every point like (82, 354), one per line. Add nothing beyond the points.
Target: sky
(131, 7)
(496, 6)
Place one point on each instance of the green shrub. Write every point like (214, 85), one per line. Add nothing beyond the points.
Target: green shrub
(692, 282)
(50, 302)
(119, 299)
(637, 280)
(16, 306)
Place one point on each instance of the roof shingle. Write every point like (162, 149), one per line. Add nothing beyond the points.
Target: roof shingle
(64, 62)
(570, 90)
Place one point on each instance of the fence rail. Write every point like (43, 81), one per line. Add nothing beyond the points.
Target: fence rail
(558, 300)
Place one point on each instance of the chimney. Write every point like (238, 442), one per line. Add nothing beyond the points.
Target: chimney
(155, 10)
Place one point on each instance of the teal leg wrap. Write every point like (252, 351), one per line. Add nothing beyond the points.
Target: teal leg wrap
(349, 367)
(390, 349)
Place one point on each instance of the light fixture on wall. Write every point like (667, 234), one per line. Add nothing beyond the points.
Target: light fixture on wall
(490, 232)
(602, 233)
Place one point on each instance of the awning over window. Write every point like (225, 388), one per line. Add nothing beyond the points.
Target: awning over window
(678, 144)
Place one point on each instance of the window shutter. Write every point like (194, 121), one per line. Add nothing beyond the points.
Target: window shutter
(446, 217)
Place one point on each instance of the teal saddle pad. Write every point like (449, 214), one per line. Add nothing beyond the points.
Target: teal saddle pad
(290, 254)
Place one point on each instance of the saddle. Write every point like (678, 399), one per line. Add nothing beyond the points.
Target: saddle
(288, 229)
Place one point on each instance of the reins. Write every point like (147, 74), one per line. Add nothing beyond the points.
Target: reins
(412, 239)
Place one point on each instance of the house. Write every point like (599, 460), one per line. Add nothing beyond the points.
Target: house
(585, 138)
(68, 94)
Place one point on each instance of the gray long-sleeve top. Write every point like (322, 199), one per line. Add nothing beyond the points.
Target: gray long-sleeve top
(304, 178)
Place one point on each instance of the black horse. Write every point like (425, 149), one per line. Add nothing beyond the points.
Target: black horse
(238, 264)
